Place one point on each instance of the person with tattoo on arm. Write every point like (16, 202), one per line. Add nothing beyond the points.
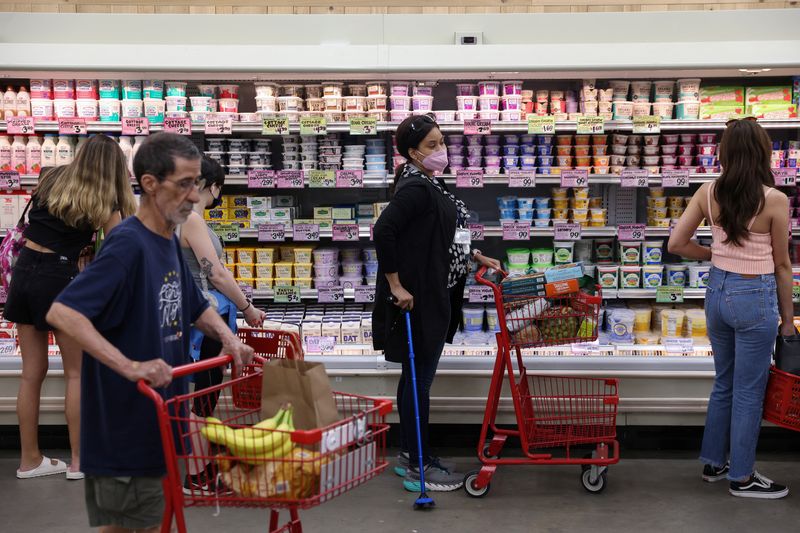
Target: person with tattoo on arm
(203, 251)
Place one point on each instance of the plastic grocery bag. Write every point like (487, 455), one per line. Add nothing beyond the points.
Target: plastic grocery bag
(305, 385)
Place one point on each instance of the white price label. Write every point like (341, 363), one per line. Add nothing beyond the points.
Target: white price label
(480, 294)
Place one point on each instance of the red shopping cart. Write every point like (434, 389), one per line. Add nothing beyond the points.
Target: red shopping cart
(782, 399)
(276, 469)
(554, 414)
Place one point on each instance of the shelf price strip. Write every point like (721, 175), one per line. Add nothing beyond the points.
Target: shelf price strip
(467, 178)
(516, 231)
(218, 125)
(476, 232)
(179, 125)
(261, 179)
(324, 179)
(135, 126)
(678, 346)
(521, 178)
(477, 127)
(287, 294)
(567, 232)
(785, 177)
(541, 125)
(363, 126)
(479, 294)
(364, 294)
(275, 126)
(631, 232)
(674, 178)
(575, 178)
(313, 126)
(345, 232)
(590, 125)
(349, 179)
(320, 344)
(330, 295)
(9, 180)
(647, 124)
(669, 295)
(290, 179)
(72, 126)
(271, 233)
(305, 232)
(20, 126)
(634, 177)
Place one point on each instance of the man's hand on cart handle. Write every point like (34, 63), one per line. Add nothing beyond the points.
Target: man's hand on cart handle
(242, 354)
(156, 372)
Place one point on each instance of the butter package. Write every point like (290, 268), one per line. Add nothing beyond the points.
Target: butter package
(721, 93)
(303, 283)
(720, 111)
(282, 201)
(265, 255)
(245, 270)
(365, 210)
(773, 94)
(249, 282)
(303, 270)
(260, 216)
(265, 270)
(263, 284)
(240, 213)
(216, 214)
(774, 110)
(259, 202)
(287, 253)
(561, 288)
(530, 284)
(366, 329)
(230, 256)
(245, 255)
(237, 201)
(303, 254)
(325, 213)
(284, 269)
(342, 213)
(278, 214)
(563, 272)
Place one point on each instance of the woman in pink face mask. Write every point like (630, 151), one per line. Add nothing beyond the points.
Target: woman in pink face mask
(423, 247)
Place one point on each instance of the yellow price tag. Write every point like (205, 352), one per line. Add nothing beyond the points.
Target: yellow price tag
(313, 126)
(541, 125)
(647, 124)
(591, 125)
(276, 126)
(363, 126)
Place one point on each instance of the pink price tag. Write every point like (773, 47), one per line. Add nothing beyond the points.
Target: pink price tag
(521, 178)
(516, 231)
(674, 178)
(218, 126)
(477, 127)
(785, 177)
(567, 232)
(135, 126)
(345, 232)
(476, 232)
(315, 344)
(469, 178)
(330, 295)
(290, 179)
(260, 179)
(364, 294)
(480, 294)
(305, 232)
(631, 232)
(575, 178)
(20, 126)
(633, 177)
(71, 126)
(271, 233)
(181, 126)
(347, 179)
(9, 180)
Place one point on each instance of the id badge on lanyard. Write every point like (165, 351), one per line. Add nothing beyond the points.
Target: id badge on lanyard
(464, 238)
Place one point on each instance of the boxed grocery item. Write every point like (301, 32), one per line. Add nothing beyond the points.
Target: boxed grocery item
(216, 214)
(780, 93)
(283, 201)
(564, 272)
(366, 328)
(332, 328)
(721, 93)
(237, 201)
(8, 211)
(773, 110)
(280, 215)
(323, 213)
(561, 288)
(340, 213)
(240, 213)
(530, 284)
(351, 332)
(720, 110)
(258, 202)
(365, 210)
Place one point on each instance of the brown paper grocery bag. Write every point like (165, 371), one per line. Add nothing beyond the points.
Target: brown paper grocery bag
(304, 385)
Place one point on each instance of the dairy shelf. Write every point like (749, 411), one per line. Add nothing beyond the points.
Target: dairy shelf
(447, 127)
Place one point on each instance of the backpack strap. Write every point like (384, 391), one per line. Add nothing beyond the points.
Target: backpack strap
(21, 220)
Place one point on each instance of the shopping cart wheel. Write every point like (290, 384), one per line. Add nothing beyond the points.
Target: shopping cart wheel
(487, 452)
(471, 489)
(599, 484)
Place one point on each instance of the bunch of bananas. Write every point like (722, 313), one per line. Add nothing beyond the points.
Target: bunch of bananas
(269, 439)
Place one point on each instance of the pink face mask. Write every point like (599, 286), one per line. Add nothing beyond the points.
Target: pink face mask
(436, 161)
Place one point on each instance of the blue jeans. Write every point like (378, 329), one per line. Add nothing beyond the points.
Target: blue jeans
(742, 321)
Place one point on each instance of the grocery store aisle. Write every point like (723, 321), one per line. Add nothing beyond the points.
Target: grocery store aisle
(664, 495)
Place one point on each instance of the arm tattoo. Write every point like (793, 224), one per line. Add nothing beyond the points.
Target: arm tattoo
(206, 268)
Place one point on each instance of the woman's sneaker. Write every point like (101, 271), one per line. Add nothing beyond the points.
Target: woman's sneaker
(403, 462)
(712, 473)
(759, 487)
(437, 479)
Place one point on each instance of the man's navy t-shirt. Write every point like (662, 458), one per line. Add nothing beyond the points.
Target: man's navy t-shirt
(140, 295)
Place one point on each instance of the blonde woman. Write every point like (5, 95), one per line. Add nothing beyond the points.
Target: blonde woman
(70, 205)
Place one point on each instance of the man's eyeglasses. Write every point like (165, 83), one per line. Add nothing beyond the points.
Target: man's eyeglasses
(187, 184)
(416, 124)
(733, 120)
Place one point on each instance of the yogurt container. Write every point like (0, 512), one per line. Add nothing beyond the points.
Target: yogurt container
(271, 89)
(154, 110)
(696, 323)
(607, 276)
(620, 88)
(624, 110)
(688, 89)
(43, 89)
(132, 90)
(225, 91)
(652, 276)
(489, 88)
(473, 318)
(672, 322)
(698, 276)
(178, 103)
(398, 88)
(208, 90)
(687, 110)
(630, 252)
(541, 256)
(630, 277)
(64, 89)
(663, 90)
(663, 109)
(563, 252)
(64, 108)
(422, 103)
(465, 89)
(620, 324)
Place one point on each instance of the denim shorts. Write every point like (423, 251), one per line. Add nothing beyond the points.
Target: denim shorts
(36, 281)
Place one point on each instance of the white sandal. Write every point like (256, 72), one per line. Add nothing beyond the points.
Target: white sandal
(75, 476)
(48, 467)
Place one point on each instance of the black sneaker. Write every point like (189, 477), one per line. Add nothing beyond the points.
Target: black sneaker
(712, 473)
(759, 487)
(205, 484)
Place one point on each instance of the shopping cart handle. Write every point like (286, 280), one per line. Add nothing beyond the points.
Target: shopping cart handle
(185, 370)
(483, 281)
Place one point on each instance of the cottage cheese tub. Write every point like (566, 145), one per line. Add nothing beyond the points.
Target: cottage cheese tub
(154, 110)
(109, 110)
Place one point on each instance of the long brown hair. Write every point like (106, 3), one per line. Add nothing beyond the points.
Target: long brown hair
(744, 154)
(86, 192)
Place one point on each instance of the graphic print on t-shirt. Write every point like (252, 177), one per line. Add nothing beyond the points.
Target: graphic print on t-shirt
(169, 307)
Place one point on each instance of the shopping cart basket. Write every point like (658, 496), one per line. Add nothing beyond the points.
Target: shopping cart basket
(554, 414)
(310, 467)
(782, 399)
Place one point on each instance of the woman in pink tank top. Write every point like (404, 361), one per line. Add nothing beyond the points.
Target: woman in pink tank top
(748, 300)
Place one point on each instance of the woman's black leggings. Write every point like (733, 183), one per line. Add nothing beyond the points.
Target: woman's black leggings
(204, 405)
(426, 365)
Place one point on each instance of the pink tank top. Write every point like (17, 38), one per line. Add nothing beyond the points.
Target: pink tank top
(754, 256)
